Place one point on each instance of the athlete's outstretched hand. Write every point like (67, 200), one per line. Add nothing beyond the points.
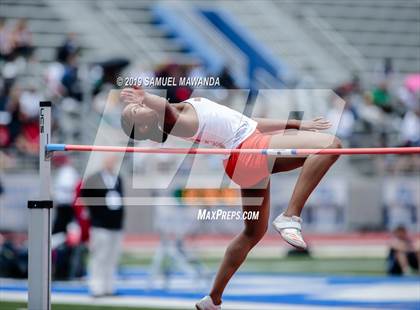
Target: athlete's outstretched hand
(133, 95)
(318, 123)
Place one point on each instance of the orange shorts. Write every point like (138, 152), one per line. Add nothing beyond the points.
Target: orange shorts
(247, 170)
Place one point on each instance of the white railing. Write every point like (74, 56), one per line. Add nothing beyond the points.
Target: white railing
(129, 32)
(233, 57)
(337, 41)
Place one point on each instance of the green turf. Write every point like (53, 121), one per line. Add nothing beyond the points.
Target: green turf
(21, 306)
(307, 265)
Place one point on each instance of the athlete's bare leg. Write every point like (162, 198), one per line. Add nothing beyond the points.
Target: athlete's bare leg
(314, 167)
(240, 246)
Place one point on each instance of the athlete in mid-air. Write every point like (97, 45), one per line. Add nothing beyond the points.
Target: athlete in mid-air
(147, 116)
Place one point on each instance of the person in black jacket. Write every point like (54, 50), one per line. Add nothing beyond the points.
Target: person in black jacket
(103, 194)
(404, 253)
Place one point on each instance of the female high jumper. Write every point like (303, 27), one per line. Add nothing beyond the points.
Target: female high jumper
(147, 116)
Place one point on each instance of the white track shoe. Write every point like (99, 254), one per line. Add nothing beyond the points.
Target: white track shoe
(207, 304)
(290, 229)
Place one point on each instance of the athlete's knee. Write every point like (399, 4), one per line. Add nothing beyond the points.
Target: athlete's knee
(255, 235)
(337, 143)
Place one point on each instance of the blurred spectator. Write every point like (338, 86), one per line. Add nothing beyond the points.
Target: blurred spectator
(6, 48)
(53, 75)
(409, 136)
(388, 67)
(69, 47)
(15, 41)
(103, 196)
(111, 69)
(407, 98)
(175, 93)
(409, 93)
(19, 95)
(13, 108)
(385, 70)
(370, 114)
(22, 39)
(29, 102)
(70, 79)
(24, 126)
(69, 256)
(410, 128)
(69, 239)
(65, 182)
(346, 89)
(226, 79)
(81, 214)
(13, 256)
(381, 97)
(404, 254)
(5, 119)
(227, 92)
(105, 75)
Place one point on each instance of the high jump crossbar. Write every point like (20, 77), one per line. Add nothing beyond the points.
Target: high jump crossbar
(209, 151)
(39, 230)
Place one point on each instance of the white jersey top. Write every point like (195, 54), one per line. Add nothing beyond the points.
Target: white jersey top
(220, 126)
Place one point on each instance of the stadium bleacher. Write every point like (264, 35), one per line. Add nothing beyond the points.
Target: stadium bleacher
(348, 60)
(377, 29)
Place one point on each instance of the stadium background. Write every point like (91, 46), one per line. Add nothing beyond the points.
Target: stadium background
(368, 52)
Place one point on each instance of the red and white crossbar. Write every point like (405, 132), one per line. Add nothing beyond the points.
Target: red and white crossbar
(208, 151)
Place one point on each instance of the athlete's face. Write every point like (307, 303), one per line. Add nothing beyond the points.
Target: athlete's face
(143, 119)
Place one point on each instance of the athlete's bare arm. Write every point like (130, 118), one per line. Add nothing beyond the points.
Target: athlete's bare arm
(181, 120)
(272, 125)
